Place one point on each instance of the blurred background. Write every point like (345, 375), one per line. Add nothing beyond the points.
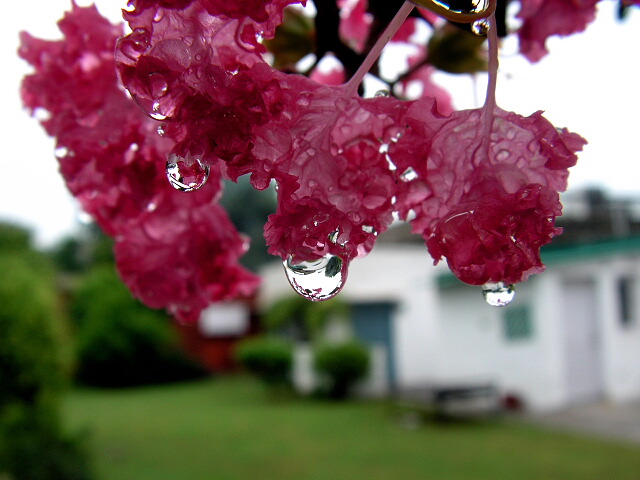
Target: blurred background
(407, 373)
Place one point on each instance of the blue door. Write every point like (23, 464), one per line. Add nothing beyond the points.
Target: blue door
(372, 324)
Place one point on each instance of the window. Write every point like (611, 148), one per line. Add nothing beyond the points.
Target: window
(518, 322)
(625, 300)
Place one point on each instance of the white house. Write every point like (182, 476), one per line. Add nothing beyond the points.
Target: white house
(571, 335)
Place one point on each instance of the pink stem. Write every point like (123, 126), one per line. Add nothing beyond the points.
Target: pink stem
(354, 82)
(489, 107)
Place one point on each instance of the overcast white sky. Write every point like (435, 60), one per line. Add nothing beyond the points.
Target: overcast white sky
(589, 84)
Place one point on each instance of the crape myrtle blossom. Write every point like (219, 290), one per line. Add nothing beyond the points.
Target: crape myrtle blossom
(173, 250)
(481, 184)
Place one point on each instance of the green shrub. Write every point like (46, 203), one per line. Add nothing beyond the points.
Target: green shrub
(269, 359)
(33, 447)
(34, 362)
(341, 365)
(34, 369)
(122, 343)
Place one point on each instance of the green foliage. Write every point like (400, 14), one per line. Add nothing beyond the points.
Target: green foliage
(342, 365)
(80, 252)
(249, 210)
(122, 343)
(34, 368)
(311, 317)
(269, 359)
(33, 360)
(32, 447)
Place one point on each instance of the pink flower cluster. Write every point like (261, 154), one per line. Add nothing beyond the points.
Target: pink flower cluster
(481, 184)
(174, 250)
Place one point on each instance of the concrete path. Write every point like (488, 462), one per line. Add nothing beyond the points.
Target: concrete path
(614, 422)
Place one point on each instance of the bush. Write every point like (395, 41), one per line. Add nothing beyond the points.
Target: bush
(341, 365)
(34, 369)
(269, 359)
(122, 343)
(33, 447)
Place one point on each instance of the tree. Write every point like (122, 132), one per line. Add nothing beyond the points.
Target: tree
(481, 185)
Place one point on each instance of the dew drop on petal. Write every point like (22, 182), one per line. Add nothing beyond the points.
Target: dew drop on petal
(408, 175)
(84, 218)
(369, 229)
(381, 93)
(498, 294)
(480, 27)
(158, 85)
(151, 108)
(61, 152)
(187, 174)
(162, 129)
(319, 279)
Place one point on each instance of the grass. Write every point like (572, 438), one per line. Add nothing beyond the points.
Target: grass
(228, 429)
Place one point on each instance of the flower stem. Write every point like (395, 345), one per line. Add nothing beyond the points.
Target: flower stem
(395, 24)
(489, 107)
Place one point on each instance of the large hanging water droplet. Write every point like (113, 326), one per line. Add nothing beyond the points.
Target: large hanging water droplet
(498, 294)
(186, 174)
(475, 6)
(319, 279)
(480, 27)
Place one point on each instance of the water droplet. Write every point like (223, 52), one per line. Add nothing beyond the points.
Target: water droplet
(408, 175)
(475, 6)
(61, 152)
(151, 108)
(335, 238)
(84, 218)
(369, 229)
(480, 27)
(319, 279)
(162, 129)
(186, 174)
(381, 93)
(42, 114)
(498, 294)
(136, 43)
(151, 206)
(158, 16)
(158, 84)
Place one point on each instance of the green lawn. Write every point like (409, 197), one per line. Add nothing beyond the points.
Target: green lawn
(227, 429)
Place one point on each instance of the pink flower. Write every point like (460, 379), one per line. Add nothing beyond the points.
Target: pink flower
(487, 203)
(174, 250)
(544, 18)
(355, 23)
(482, 183)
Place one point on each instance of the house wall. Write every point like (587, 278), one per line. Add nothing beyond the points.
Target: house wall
(445, 336)
(474, 347)
(620, 342)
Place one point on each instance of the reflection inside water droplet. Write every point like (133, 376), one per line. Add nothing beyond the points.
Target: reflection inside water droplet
(186, 174)
(319, 279)
(408, 175)
(475, 6)
(151, 108)
(381, 93)
(369, 229)
(498, 294)
(480, 27)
